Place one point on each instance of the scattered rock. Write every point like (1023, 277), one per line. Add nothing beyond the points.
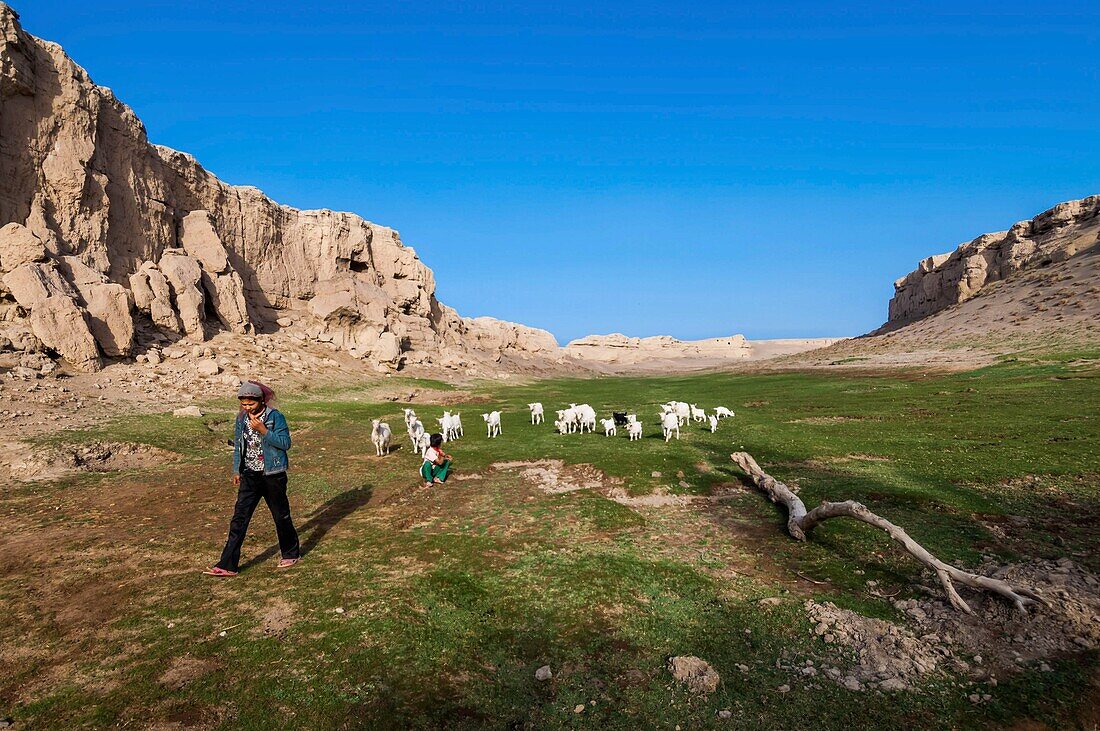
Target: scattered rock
(695, 673)
(543, 673)
(188, 411)
(208, 368)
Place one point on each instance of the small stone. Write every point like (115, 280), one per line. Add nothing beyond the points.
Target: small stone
(153, 357)
(579, 708)
(544, 673)
(851, 683)
(725, 713)
(784, 688)
(222, 633)
(1044, 668)
(974, 698)
(208, 368)
(339, 610)
(695, 673)
(187, 411)
(655, 474)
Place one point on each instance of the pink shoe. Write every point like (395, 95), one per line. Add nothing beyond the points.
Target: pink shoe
(217, 571)
(286, 563)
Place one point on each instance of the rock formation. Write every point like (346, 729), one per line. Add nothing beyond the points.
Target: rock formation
(1067, 230)
(621, 353)
(101, 227)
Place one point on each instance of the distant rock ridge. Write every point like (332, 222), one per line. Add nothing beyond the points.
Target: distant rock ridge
(104, 234)
(1067, 230)
(619, 351)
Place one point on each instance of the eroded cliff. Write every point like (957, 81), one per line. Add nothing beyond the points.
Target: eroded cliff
(105, 234)
(1065, 231)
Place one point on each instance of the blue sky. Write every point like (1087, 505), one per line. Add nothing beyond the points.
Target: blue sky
(693, 169)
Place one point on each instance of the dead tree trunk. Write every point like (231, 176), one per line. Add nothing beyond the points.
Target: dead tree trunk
(800, 522)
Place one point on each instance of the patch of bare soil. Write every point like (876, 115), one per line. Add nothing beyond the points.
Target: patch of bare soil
(659, 498)
(276, 618)
(555, 477)
(27, 464)
(995, 640)
(818, 420)
(429, 396)
(185, 670)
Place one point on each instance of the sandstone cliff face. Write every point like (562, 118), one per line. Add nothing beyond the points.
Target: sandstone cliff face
(1067, 230)
(154, 239)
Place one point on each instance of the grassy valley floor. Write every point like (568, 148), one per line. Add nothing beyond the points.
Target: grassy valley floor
(599, 557)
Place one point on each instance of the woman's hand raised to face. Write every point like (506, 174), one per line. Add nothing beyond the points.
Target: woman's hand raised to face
(257, 423)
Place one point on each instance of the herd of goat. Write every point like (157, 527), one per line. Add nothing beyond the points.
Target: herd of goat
(576, 418)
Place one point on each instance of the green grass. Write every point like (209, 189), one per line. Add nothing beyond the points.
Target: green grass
(452, 598)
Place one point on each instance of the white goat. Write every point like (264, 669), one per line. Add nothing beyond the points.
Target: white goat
(492, 423)
(410, 416)
(381, 435)
(416, 430)
(563, 427)
(447, 426)
(608, 427)
(586, 416)
(569, 418)
(697, 414)
(536, 412)
(713, 423)
(423, 443)
(634, 428)
(670, 422)
(456, 426)
(631, 418)
(722, 412)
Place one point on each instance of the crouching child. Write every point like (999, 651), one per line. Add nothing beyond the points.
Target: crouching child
(436, 462)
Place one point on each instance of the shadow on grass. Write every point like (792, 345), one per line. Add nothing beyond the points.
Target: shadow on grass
(321, 522)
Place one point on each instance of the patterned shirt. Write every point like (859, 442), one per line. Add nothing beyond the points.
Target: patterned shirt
(253, 446)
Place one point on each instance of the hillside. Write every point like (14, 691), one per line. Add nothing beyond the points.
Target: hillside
(1034, 287)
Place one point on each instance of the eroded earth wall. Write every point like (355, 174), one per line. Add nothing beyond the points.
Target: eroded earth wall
(104, 233)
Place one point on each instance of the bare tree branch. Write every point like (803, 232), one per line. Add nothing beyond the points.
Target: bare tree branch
(800, 522)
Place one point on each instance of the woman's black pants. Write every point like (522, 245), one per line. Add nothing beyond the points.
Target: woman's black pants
(272, 488)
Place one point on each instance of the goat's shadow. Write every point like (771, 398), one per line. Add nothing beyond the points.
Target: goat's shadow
(321, 522)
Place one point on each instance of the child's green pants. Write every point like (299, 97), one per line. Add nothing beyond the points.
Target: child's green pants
(431, 472)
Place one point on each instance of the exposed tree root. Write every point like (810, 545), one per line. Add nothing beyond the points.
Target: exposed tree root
(800, 522)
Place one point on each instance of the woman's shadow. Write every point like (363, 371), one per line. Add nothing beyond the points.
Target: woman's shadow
(323, 519)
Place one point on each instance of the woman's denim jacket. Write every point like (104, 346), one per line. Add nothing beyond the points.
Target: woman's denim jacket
(275, 443)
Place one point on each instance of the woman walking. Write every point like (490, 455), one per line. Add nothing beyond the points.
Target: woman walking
(261, 440)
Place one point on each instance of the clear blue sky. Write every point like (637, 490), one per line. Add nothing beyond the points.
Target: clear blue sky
(693, 169)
